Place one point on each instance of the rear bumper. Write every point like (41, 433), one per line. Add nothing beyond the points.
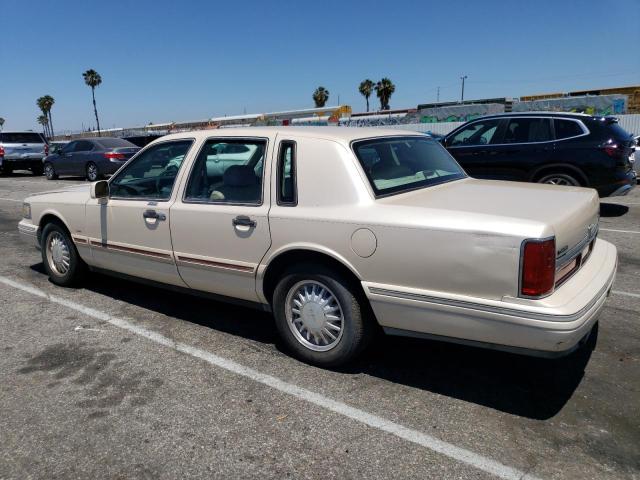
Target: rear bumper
(549, 327)
(624, 184)
(20, 163)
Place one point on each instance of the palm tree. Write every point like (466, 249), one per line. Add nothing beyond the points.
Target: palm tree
(48, 105)
(1, 123)
(44, 121)
(93, 79)
(42, 105)
(320, 97)
(384, 90)
(365, 89)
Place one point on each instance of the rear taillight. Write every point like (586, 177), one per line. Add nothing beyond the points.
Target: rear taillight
(114, 156)
(1, 151)
(613, 150)
(538, 267)
(46, 149)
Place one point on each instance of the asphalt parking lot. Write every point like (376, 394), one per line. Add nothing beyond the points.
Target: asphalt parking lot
(119, 380)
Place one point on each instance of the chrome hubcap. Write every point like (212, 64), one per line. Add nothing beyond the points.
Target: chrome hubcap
(558, 181)
(314, 315)
(58, 253)
(93, 171)
(48, 170)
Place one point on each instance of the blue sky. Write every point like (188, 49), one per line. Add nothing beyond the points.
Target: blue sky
(180, 60)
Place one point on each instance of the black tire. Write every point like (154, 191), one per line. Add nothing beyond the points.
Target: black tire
(559, 178)
(357, 327)
(76, 267)
(50, 172)
(92, 172)
(6, 170)
(37, 170)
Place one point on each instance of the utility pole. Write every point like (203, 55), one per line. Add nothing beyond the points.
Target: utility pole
(438, 96)
(463, 78)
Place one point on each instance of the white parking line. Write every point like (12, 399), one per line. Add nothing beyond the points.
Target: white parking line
(618, 231)
(449, 450)
(626, 294)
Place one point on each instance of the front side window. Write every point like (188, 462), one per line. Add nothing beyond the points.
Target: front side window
(397, 164)
(228, 171)
(528, 130)
(478, 133)
(151, 174)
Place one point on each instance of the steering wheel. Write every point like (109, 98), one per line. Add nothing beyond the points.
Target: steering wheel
(128, 188)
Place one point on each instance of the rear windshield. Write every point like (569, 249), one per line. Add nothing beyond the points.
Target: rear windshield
(398, 164)
(21, 137)
(618, 132)
(114, 142)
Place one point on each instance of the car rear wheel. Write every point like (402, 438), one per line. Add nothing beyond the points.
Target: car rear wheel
(93, 173)
(60, 257)
(37, 170)
(50, 172)
(5, 170)
(321, 316)
(563, 179)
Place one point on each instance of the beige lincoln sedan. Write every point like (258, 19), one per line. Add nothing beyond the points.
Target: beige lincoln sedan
(337, 231)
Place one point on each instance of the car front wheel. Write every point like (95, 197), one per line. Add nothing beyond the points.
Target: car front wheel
(60, 257)
(321, 316)
(50, 172)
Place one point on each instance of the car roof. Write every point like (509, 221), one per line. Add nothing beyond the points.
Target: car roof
(338, 134)
(542, 113)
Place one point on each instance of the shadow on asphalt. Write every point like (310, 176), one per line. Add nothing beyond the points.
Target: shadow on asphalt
(524, 386)
(612, 210)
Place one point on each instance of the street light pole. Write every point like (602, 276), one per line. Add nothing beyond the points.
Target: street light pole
(463, 78)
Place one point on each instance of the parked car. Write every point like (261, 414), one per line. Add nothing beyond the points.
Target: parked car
(22, 151)
(90, 157)
(545, 147)
(335, 229)
(637, 153)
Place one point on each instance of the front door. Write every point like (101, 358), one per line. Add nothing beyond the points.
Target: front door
(129, 232)
(220, 226)
(471, 146)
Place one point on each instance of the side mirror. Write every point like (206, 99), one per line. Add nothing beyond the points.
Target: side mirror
(100, 189)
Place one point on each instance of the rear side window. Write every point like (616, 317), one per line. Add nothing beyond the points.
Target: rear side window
(83, 146)
(477, 133)
(21, 137)
(228, 171)
(528, 130)
(567, 128)
(115, 142)
(287, 194)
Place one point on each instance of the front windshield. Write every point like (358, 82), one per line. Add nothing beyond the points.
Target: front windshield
(397, 164)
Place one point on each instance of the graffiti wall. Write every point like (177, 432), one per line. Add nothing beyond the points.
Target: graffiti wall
(590, 104)
(454, 113)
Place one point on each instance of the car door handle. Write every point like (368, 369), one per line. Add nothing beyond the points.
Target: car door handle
(153, 214)
(243, 221)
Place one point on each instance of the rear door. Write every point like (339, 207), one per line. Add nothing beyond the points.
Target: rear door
(472, 145)
(526, 144)
(219, 225)
(78, 159)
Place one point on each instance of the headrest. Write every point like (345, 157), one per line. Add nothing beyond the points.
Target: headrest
(239, 176)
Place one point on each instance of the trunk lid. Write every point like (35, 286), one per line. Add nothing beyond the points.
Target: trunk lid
(19, 145)
(571, 212)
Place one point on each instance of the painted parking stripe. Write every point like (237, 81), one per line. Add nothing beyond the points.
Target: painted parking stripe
(447, 449)
(626, 294)
(618, 231)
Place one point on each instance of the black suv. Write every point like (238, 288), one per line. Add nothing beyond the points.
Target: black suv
(545, 147)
